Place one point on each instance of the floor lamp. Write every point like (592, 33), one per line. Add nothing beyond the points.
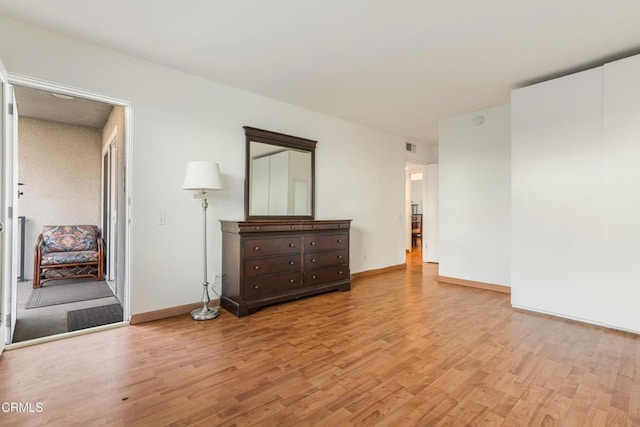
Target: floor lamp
(202, 177)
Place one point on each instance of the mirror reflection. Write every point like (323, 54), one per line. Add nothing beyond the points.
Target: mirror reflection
(279, 181)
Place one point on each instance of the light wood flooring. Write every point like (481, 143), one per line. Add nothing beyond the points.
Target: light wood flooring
(399, 349)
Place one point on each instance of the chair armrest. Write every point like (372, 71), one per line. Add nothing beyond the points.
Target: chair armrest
(39, 244)
(100, 244)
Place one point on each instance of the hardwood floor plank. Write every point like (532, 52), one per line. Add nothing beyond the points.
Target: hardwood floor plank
(398, 349)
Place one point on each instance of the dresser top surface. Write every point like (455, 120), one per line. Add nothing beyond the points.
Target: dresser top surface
(284, 225)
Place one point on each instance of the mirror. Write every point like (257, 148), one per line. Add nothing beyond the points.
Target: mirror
(280, 172)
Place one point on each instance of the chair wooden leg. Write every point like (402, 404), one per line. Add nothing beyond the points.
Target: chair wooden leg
(36, 278)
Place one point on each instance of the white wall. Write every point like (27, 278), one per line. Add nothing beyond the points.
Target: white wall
(178, 118)
(576, 199)
(474, 193)
(60, 167)
(431, 243)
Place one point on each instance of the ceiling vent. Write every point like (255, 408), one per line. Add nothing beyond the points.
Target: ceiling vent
(410, 147)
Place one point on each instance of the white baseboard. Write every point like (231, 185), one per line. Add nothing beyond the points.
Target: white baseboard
(576, 319)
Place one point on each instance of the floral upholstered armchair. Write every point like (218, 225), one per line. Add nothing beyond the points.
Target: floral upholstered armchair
(68, 251)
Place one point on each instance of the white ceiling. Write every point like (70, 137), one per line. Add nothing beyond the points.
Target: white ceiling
(41, 104)
(398, 66)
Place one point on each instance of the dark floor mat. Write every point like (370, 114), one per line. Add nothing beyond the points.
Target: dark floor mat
(94, 316)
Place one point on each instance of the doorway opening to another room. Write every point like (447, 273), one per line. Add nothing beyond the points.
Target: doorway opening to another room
(415, 207)
(421, 192)
(71, 171)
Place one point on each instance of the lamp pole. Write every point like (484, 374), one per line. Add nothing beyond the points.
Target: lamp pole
(204, 313)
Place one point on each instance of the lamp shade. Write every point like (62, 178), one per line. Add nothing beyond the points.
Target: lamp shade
(202, 176)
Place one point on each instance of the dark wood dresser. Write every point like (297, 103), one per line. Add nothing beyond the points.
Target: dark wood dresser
(271, 261)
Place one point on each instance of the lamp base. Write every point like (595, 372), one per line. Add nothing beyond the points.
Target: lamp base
(205, 313)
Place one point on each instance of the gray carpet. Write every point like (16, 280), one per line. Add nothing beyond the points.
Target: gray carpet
(94, 316)
(53, 293)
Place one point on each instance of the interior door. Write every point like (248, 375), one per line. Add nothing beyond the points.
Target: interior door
(113, 204)
(3, 121)
(9, 203)
(110, 210)
(106, 210)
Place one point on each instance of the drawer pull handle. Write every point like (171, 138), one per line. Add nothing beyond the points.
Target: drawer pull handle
(256, 286)
(313, 260)
(257, 228)
(256, 248)
(339, 241)
(291, 245)
(313, 243)
(314, 226)
(313, 277)
(340, 272)
(256, 267)
(291, 280)
(339, 225)
(293, 227)
(339, 256)
(291, 263)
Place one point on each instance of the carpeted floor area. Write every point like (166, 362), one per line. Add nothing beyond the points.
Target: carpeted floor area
(59, 292)
(51, 320)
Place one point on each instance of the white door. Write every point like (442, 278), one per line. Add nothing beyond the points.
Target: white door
(110, 208)
(113, 208)
(9, 205)
(3, 120)
(431, 226)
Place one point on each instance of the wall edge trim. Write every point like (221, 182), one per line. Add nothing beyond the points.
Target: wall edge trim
(376, 271)
(164, 313)
(473, 284)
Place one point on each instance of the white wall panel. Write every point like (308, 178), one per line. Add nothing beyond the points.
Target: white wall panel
(556, 197)
(621, 201)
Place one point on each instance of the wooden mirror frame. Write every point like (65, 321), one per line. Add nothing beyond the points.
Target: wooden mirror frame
(281, 140)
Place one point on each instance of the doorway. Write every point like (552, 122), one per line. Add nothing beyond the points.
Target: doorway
(415, 208)
(65, 137)
(422, 228)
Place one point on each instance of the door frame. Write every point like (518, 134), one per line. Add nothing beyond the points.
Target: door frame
(4, 223)
(110, 207)
(125, 245)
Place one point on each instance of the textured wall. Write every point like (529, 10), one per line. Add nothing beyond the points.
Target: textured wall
(60, 167)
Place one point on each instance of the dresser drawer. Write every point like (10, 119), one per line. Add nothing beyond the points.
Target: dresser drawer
(260, 286)
(323, 242)
(323, 259)
(265, 228)
(326, 226)
(279, 264)
(326, 275)
(279, 246)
